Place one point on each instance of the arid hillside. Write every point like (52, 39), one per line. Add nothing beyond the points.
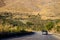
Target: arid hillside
(46, 8)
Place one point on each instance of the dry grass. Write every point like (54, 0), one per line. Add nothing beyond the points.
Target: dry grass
(44, 7)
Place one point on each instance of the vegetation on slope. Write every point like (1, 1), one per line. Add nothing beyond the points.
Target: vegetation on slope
(9, 24)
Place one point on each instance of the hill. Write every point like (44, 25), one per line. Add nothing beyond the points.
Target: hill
(46, 8)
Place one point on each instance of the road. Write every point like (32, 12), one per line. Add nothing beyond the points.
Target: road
(36, 36)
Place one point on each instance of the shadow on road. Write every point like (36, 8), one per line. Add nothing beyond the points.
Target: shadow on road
(15, 35)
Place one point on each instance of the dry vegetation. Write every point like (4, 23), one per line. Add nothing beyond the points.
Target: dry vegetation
(10, 24)
(48, 9)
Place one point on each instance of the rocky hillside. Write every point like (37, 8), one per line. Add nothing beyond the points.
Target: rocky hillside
(46, 8)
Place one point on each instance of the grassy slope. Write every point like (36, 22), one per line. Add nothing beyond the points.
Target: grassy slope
(44, 7)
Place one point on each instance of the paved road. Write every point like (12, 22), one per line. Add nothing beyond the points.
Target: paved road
(36, 36)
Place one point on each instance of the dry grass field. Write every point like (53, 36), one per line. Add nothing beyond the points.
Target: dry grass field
(47, 8)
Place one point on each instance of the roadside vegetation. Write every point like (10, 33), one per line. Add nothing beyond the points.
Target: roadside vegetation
(9, 24)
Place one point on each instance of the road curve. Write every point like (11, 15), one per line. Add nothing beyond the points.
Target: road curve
(36, 36)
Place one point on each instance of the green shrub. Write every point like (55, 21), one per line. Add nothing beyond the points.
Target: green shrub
(29, 23)
(58, 28)
(49, 25)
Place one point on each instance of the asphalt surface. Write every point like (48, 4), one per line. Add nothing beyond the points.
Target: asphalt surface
(35, 36)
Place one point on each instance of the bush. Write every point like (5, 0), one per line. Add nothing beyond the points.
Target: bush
(29, 23)
(49, 25)
(58, 28)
